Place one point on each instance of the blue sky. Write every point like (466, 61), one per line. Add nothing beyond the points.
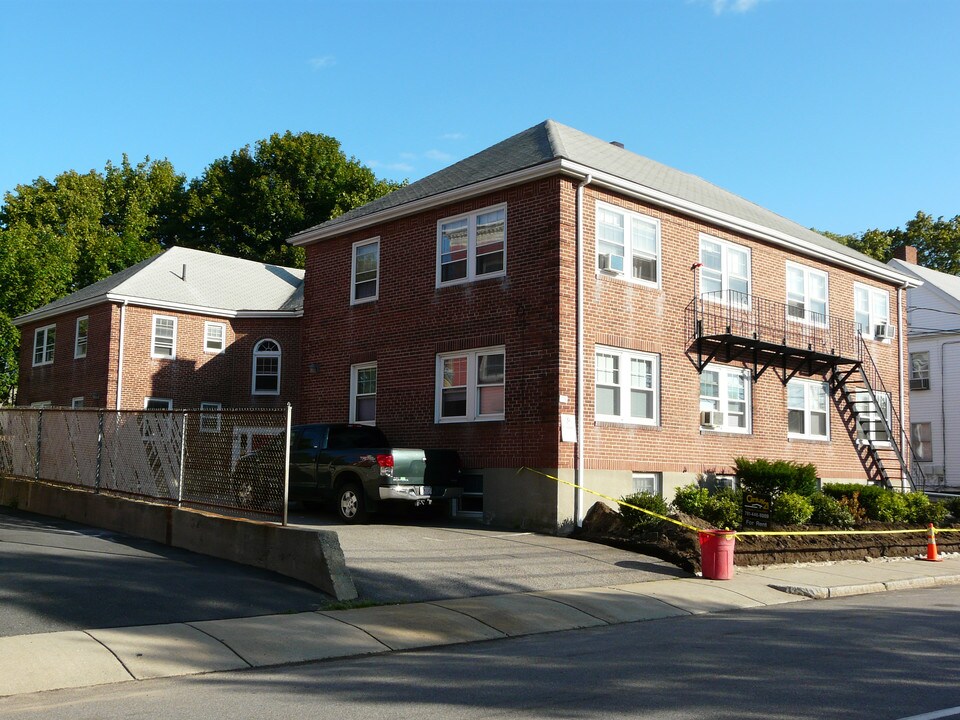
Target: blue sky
(839, 114)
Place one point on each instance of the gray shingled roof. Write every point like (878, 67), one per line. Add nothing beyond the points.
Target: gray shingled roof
(945, 282)
(215, 282)
(551, 141)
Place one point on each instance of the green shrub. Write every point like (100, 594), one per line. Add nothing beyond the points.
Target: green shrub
(773, 478)
(691, 499)
(830, 511)
(886, 506)
(640, 521)
(921, 510)
(791, 509)
(953, 505)
(724, 509)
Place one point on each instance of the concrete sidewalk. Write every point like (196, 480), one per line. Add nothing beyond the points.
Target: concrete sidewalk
(49, 661)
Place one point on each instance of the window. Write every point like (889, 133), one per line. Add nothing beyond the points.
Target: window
(921, 438)
(363, 393)
(625, 237)
(472, 246)
(153, 403)
(871, 308)
(806, 294)
(470, 386)
(42, 404)
(873, 418)
(44, 340)
(210, 422)
(76, 402)
(266, 368)
(920, 370)
(214, 337)
(627, 386)
(724, 271)
(725, 391)
(164, 341)
(80, 343)
(807, 410)
(647, 483)
(365, 279)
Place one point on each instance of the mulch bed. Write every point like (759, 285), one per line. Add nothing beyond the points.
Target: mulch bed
(681, 547)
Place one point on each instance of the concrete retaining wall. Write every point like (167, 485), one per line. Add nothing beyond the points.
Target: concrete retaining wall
(313, 556)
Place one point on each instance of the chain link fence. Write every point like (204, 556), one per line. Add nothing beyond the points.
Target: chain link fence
(228, 461)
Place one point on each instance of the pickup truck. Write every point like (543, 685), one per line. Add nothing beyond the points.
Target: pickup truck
(355, 467)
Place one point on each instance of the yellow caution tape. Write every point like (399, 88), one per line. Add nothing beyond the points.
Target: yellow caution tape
(739, 533)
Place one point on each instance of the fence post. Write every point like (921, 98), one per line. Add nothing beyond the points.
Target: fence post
(286, 465)
(183, 457)
(96, 481)
(36, 460)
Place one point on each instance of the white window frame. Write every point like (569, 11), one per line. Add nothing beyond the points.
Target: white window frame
(77, 351)
(205, 425)
(810, 390)
(917, 441)
(623, 383)
(168, 403)
(878, 308)
(630, 220)
(354, 300)
(207, 326)
(172, 340)
(725, 373)
(643, 480)
(47, 346)
(869, 416)
(76, 402)
(808, 316)
(472, 387)
(471, 251)
(264, 354)
(726, 248)
(355, 394)
(41, 404)
(920, 376)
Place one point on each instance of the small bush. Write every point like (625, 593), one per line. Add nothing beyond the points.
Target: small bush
(953, 505)
(922, 511)
(691, 499)
(886, 506)
(830, 511)
(724, 509)
(774, 478)
(852, 505)
(640, 521)
(791, 509)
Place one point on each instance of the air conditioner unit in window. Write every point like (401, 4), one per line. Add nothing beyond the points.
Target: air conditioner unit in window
(711, 418)
(611, 263)
(885, 331)
(919, 383)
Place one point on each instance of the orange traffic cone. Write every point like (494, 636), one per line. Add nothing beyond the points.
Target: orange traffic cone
(932, 555)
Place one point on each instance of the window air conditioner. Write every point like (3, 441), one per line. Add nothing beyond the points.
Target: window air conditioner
(885, 331)
(711, 418)
(919, 383)
(611, 263)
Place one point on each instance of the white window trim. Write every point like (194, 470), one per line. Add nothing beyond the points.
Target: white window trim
(472, 414)
(808, 387)
(864, 437)
(353, 272)
(206, 328)
(205, 405)
(657, 479)
(725, 371)
(76, 402)
(807, 273)
(725, 246)
(45, 331)
(153, 338)
(624, 386)
(76, 338)
(471, 218)
(915, 377)
(916, 443)
(41, 404)
(168, 401)
(629, 216)
(253, 368)
(874, 318)
(354, 371)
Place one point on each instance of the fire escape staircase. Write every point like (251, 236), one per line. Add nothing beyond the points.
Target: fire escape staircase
(729, 326)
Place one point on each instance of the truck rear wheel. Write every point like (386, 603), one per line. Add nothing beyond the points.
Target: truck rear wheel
(351, 503)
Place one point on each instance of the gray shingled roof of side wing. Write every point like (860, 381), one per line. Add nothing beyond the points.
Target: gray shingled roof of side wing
(550, 141)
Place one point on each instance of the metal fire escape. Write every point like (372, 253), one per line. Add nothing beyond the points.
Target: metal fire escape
(731, 326)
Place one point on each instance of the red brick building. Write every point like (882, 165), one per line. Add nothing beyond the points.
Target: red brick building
(556, 288)
(183, 329)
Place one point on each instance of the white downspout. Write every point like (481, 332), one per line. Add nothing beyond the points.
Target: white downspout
(900, 340)
(578, 479)
(123, 319)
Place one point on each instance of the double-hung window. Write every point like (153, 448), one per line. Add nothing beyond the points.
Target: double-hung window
(871, 311)
(725, 399)
(724, 271)
(873, 418)
(363, 393)
(920, 370)
(807, 410)
(365, 274)
(806, 294)
(210, 421)
(921, 438)
(44, 342)
(472, 246)
(470, 385)
(628, 240)
(80, 338)
(214, 337)
(266, 368)
(627, 386)
(163, 344)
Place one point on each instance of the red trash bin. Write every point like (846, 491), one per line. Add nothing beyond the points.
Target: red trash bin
(716, 554)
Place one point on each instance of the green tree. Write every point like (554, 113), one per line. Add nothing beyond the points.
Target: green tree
(9, 342)
(249, 203)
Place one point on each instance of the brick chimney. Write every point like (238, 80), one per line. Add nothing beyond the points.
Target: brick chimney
(907, 253)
